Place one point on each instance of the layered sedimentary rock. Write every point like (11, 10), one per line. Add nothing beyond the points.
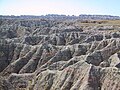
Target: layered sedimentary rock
(59, 55)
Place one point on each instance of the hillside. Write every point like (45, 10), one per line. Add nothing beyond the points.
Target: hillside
(54, 54)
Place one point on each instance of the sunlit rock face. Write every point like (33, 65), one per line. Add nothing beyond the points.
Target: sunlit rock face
(48, 54)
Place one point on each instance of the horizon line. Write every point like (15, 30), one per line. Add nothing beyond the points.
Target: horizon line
(57, 14)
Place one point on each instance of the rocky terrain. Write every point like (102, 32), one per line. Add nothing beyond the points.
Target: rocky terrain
(46, 54)
(63, 17)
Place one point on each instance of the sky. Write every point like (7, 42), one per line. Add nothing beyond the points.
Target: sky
(66, 7)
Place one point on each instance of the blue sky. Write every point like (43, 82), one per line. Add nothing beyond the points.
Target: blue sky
(67, 7)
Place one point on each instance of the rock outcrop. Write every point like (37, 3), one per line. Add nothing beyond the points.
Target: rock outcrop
(44, 54)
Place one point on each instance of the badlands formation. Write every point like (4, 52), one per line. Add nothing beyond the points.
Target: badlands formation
(59, 54)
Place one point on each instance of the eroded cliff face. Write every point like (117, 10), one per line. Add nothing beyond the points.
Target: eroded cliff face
(59, 55)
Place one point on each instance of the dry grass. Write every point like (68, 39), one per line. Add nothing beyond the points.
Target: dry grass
(101, 23)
